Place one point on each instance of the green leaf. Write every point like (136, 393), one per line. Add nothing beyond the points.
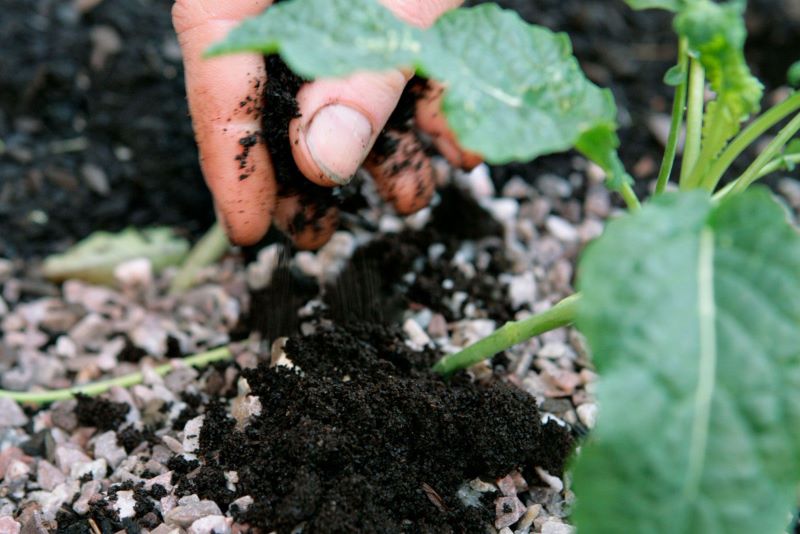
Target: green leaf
(793, 75)
(716, 34)
(671, 5)
(515, 91)
(692, 313)
(675, 76)
(95, 258)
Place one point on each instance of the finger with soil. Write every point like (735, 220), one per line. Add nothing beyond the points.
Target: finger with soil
(308, 216)
(224, 97)
(340, 119)
(402, 171)
(431, 120)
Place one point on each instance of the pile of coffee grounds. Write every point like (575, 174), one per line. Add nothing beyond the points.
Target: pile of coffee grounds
(358, 433)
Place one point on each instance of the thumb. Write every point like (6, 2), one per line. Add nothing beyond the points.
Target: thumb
(340, 119)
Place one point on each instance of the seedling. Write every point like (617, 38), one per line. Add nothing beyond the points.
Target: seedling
(691, 305)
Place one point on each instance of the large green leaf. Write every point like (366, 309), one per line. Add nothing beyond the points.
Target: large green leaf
(515, 91)
(95, 258)
(692, 312)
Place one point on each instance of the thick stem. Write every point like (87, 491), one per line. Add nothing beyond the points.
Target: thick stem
(96, 388)
(512, 333)
(694, 121)
(747, 137)
(211, 247)
(773, 149)
(678, 106)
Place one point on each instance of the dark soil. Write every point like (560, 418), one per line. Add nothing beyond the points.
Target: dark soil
(100, 413)
(349, 439)
(63, 119)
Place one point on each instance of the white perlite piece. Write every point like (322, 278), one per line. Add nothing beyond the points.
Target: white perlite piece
(191, 433)
(125, 504)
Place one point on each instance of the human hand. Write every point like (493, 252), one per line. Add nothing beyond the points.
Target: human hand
(339, 122)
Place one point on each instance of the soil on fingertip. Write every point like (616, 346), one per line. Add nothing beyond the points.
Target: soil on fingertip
(353, 437)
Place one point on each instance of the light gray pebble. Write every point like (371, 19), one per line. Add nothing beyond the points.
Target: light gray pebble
(516, 187)
(506, 519)
(97, 469)
(554, 186)
(69, 454)
(522, 289)
(106, 447)
(587, 414)
(553, 526)
(48, 476)
(11, 414)
(185, 514)
(90, 331)
(9, 526)
(88, 490)
(561, 229)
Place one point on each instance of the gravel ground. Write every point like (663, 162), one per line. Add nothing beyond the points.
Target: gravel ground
(116, 457)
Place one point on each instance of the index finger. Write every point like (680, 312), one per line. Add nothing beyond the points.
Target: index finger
(225, 102)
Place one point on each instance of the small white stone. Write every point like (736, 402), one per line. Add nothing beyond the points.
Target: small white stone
(554, 186)
(69, 454)
(191, 433)
(308, 263)
(259, 272)
(97, 469)
(125, 504)
(389, 224)
(504, 210)
(218, 524)
(554, 482)
(587, 414)
(561, 229)
(553, 526)
(17, 471)
(522, 289)
(415, 333)
(478, 181)
(137, 272)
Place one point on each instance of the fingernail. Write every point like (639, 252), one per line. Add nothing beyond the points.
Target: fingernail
(339, 138)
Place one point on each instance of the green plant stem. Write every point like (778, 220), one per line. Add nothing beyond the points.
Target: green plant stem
(678, 107)
(512, 333)
(773, 149)
(211, 247)
(694, 121)
(96, 388)
(747, 137)
(773, 166)
(630, 198)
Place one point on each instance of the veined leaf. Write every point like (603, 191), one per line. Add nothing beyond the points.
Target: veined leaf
(95, 258)
(515, 91)
(670, 5)
(716, 34)
(692, 312)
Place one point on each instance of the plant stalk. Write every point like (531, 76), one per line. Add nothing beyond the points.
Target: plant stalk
(747, 137)
(630, 198)
(96, 388)
(678, 107)
(694, 121)
(512, 333)
(773, 149)
(211, 247)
